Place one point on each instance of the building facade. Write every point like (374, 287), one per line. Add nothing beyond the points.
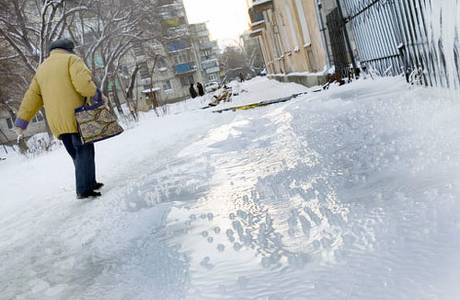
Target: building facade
(207, 51)
(171, 64)
(290, 38)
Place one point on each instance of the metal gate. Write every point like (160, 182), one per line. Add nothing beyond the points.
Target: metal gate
(407, 36)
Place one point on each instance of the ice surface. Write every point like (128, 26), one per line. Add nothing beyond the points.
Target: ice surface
(350, 193)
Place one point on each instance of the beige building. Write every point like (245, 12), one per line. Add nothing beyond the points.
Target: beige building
(290, 37)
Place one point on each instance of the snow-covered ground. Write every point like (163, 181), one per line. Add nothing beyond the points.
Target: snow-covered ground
(351, 193)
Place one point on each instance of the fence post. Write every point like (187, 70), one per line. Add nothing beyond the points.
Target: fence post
(319, 6)
(347, 37)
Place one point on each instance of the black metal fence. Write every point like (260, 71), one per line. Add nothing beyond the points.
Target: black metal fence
(417, 37)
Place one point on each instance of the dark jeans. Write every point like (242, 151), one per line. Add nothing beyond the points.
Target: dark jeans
(83, 160)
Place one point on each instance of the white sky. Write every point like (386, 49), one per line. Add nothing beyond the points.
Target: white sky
(226, 19)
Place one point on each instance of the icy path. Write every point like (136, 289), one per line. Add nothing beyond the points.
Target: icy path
(347, 194)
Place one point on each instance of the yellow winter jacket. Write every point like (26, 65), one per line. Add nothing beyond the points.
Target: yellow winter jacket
(60, 85)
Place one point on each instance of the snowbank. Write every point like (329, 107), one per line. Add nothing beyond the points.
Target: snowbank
(350, 193)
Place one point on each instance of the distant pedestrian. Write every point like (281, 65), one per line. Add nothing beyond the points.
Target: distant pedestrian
(192, 90)
(200, 88)
(241, 77)
(60, 85)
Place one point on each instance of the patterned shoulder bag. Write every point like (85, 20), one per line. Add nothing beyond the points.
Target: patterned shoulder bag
(96, 122)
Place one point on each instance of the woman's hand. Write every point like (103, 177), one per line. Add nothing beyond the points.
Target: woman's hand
(19, 133)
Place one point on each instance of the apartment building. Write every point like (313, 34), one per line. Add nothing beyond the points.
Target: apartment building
(169, 65)
(207, 51)
(180, 56)
(289, 34)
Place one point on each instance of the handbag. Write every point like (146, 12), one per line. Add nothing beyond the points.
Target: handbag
(96, 122)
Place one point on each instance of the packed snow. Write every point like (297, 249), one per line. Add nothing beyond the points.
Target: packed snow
(349, 193)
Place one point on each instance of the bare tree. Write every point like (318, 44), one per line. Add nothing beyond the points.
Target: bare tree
(30, 25)
(234, 61)
(128, 91)
(14, 80)
(105, 32)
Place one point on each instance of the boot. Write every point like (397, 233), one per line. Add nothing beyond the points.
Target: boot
(98, 186)
(90, 194)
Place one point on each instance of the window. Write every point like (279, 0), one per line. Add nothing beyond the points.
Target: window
(124, 70)
(213, 77)
(182, 57)
(186, 80)
(167, 85)
(208, 64)
(161, 64)
(207, 53)
(9, 123)
(38, 118)
(303, 23)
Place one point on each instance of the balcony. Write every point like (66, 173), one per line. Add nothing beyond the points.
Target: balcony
(258, 25)
(173, 10)
(256, 8)
(210, 63)
(201, 34)
(213, 70)
(178, 45)
(260, 5)
(171, 14)
(176, 32)
(186, 68)
(199, 28)
(256, 33)
(207, 45)
(168, 3)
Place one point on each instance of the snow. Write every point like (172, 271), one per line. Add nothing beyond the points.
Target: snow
(350, 193)
(150, 90)
(301, 74)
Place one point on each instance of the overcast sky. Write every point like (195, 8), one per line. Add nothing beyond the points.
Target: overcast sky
(226, 19)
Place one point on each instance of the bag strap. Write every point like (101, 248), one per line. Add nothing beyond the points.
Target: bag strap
(95, 100)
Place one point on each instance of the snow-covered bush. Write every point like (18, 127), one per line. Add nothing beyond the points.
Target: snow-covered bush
(40, 143)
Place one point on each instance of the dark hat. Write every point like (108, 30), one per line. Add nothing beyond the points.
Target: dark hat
(65, 44)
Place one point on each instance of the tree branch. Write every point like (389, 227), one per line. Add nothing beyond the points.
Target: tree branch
(9, 57)
(28, 64)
